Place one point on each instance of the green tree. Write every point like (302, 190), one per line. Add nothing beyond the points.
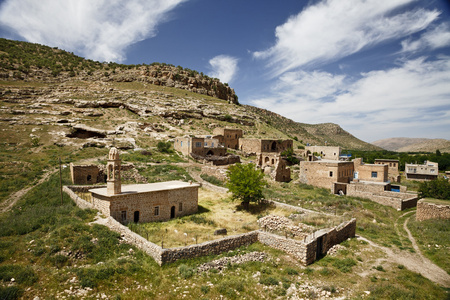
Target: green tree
(438, 189)
(289, 155)
(246, 183)
(164, 147)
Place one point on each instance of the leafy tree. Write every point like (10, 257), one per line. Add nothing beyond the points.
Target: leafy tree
(438, 189)
(246, 183)
(290, 156)
(164, 147)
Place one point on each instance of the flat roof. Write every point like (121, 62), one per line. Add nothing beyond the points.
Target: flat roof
(382, 159)
(145, 188)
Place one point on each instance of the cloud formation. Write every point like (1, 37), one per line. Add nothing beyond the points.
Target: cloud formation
(412, 98)
(334, 29)
(224, 67)
(433, 39)
(99, 30)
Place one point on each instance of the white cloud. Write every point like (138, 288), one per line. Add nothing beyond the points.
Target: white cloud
(99, 30)
(436, 38)
(334, 29)
(410, 100)
(223, 67)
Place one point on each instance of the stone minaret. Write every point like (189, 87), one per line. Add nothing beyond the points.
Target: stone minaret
(113, 185)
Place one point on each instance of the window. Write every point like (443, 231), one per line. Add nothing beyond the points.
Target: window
(180, 206)
(123, 215)
(181, 143)
(374, 174)
(156, 211)
(198, 144)
(331, 173)
(212, 145)
(206, 144)
(432, 170)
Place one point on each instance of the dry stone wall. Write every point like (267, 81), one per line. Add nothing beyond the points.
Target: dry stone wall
(427, 210)
(305, 251)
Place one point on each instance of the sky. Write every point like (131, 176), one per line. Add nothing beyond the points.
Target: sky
(378, 68)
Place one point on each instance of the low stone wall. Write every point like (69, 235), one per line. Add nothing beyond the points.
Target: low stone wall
(218, 172)
(397, 200)
(427, 210)
(210, 247)
(135, 239)
(81, 203)
(306, 251)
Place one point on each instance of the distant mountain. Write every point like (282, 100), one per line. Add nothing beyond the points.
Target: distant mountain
(403, 144)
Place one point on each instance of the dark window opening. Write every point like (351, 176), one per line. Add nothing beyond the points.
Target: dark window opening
(172, 212)
(136, 217)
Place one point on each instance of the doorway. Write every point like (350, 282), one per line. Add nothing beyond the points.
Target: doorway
(136, 217)
(172, 212)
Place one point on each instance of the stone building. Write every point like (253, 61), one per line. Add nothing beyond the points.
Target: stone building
(369, 172)
(326, 152)
(228, 137)
(86, 174)
(150, 202)
(428, 171)
(248, 145)
(202, 146)
(393, 173)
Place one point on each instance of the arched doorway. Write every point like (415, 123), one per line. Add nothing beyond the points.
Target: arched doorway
(210, 152)
(136, 217)
(172, 212)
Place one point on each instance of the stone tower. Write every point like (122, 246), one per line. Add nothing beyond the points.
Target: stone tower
(113, 185)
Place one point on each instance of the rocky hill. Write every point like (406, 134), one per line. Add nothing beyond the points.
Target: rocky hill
(56, 97)
(403, 144)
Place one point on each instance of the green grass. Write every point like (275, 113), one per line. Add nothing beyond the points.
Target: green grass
(433, 239)
(159, 173)
(212, 179)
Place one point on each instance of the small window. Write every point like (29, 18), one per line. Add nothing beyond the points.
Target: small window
(374, 174)
(89, 177)
(180, 206)
(156, 211)
(331, 173)
(181, 143)
(124, 215)
(432, 170)
(206, 143)
(198, 144)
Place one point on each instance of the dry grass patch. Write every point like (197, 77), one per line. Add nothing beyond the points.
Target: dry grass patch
(216, 211)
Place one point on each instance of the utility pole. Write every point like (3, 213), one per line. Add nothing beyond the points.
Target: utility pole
(60, 181)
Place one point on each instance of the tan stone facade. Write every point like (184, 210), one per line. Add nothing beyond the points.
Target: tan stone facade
(428, 171)
(260, 146)
(228, 137)
(86, 175)
(369, 172)
(393, 173)
(323, 173)
(326, 152)
(199, 146)
(151, 202)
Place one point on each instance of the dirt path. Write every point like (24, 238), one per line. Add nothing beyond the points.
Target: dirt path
(415, 262)
(13, 198)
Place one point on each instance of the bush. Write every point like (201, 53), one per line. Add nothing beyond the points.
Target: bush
(10, 292)
(185, 271)
(21, 274)
(164, 147)
(438, 189)
(291, 271)
(269, 280)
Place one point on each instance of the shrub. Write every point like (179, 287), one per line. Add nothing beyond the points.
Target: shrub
(185, 271)
(344, 265)
(10, 292)
(164, 147)
(21, 274)
(269, 280)
(291, 271)
(204, 289)
(438, 188)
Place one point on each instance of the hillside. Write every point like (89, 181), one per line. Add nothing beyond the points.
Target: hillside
(175, 99)
(414, 144)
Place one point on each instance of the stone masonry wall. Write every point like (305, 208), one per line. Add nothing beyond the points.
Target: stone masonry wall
(399, 201)
(306, 252)
(427, 210)
(81, 203)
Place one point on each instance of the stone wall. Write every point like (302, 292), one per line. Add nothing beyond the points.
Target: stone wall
(376, 193)
(81, 203)
(427, 210)
(370, 172)
(211, 247)
(86, 174)
(326, 152)
(218, 172)
(305, 251)
(323, 173)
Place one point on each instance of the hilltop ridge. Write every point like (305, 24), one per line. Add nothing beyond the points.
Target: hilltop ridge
(180, 100)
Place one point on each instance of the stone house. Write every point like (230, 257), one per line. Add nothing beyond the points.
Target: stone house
(86, 174)
(428, 171)
(393, 173)
(369, 172)
(150, 202)
(228, 137)
(324, 173)
(202, 146)
(249, 145)
(326, 152)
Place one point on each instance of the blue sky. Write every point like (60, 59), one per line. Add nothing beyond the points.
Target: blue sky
(378, 68)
